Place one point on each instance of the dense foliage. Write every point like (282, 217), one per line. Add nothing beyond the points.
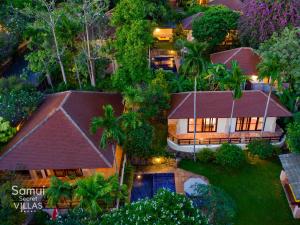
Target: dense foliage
(214, 25)
(230, 155)
(206, 155)
(261, 148)
(261, 18)
(164, 208)
(216, 204)
(17, 105)
(281, 58)
(6, 131)
(92, 200)
(293, 137)
(8, 213)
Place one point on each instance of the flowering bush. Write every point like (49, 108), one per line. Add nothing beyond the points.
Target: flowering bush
(261, 18)
(166, 208)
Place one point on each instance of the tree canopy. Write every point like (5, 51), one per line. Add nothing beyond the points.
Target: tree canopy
(214, 25)
(261, 18)
(281, 58)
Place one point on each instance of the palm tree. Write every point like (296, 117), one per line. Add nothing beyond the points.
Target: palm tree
(58, 191)
(194, 64)
(132, 98)
(234, 82)
(194, 59)
(111, 127)
(270, 69)
(95, 191)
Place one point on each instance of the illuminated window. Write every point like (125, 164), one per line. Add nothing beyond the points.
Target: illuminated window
(249, 124)
(203, 125)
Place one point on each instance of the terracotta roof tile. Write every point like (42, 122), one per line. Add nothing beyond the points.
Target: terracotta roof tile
(246, 58)
(218, 104)
(57, 135)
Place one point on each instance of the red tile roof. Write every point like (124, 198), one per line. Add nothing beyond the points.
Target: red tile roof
(217, 104)
(57, 135)
(246, 58)
(236, 5)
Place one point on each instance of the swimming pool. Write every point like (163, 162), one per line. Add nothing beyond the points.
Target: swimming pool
(146, 185)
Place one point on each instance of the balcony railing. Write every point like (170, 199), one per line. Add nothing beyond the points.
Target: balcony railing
(215, 141)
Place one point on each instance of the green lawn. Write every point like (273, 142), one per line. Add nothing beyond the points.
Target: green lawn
(256, 190)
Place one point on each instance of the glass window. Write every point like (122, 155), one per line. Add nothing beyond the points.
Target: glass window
(249, 124)
(203, 125)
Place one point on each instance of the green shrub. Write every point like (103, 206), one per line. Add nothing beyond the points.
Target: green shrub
(40, 218)
(261, 148)
(206, 155)
(6, 131)
(230, 156)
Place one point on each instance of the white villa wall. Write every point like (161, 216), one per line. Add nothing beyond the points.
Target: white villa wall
(181, 127)
(223, 124)
(270, 125)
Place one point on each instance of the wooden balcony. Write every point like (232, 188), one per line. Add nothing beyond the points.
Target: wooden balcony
(211, 138)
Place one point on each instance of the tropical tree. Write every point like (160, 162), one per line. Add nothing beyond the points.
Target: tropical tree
(194, 59)
(281, 55)
(9, 214)
(50, 17)
(6, 131)
(234, 82)
(58, 191)
(96, 192)
(261, 18)
(194, 64)
(132, 98)
(110, 125)
(293, 137)
(214, 25)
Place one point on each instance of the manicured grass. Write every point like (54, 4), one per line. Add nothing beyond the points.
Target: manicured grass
(255, 188)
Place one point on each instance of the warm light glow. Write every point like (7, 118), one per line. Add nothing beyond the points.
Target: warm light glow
(156, 30)
(139, 177)
(158, 159)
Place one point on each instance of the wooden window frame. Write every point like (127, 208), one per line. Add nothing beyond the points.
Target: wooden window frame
(203, 125)
(248, 124)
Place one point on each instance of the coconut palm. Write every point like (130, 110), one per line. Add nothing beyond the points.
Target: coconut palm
(194, 64)
(234, 82)
(96, 192)
(131, 120)
(194, 60)
(111, 127)
(58, 190)
(270, 69)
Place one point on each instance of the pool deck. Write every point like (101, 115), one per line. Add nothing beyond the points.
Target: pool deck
(180, 175)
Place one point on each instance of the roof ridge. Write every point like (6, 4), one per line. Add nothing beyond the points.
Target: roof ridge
(234, 54)
(86, 137)
(180, 104)
(30, 132)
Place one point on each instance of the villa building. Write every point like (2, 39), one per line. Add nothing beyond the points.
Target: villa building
(290, 180)
(247, 60)
(213, 111)
(56, 140)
